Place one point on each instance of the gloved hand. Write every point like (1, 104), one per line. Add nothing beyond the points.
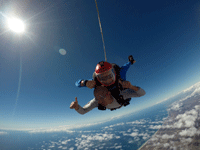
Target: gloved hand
(130, 58)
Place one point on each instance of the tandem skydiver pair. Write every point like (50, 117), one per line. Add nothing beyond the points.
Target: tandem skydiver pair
(111, 90)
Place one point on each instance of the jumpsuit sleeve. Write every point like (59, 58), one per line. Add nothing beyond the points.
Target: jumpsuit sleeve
(129, 93)
(124, 69)
(78, 82)
(88, 107)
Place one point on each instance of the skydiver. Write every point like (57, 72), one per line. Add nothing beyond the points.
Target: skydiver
(106, 75)
(113, 78)
(104, 98)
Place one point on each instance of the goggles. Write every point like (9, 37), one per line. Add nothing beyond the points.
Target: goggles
(107, 78)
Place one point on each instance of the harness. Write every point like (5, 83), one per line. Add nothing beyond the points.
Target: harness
(114, 89)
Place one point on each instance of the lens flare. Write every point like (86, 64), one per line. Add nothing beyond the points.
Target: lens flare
(62, 51)
(16, 25)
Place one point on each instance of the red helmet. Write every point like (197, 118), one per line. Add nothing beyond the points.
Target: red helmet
(105, 73)
(102, 67)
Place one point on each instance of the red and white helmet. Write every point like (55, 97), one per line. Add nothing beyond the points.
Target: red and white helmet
(105, 73)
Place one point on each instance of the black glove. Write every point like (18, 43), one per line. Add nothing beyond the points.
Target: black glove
(130, 58)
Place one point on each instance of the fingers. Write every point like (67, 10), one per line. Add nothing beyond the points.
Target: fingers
(74, 104)
(125, 84)
(91, 84)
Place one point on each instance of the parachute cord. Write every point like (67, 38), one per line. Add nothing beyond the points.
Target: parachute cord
(101, 31)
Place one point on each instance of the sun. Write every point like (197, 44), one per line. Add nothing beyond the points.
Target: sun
(16, 25)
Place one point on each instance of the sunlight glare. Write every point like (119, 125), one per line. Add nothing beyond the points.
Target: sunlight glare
(16, 25)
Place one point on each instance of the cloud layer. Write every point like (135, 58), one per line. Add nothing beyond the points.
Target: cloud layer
(113, 136)
(181, 128)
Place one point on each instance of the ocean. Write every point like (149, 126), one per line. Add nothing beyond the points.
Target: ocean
(128, 132)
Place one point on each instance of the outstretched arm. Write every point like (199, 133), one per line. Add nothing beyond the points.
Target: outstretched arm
(131, 91)
(85, 83)
(126, 66)
(82, 110)
(128, 85)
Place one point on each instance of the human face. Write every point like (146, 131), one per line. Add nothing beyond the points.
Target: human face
(107, 78)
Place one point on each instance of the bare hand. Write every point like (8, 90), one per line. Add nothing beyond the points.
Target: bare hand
(91, 84)
(125, 84)
(74, 105)
(128, 85)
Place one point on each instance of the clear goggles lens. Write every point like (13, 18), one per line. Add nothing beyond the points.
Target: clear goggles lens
(107, 78)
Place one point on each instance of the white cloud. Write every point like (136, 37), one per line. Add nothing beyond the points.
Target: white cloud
(131, 141)
(145, 136)
(118, 147)
(156, 144)
(189, 132)
(88, 141)
(188, 140)
(197, 107)
(134, 134)
(196, 92)
(129, 130)
(154, 139)
(158, 122)
(173, 147)
(52, 146)
(67, 128)
(3, 133)
(137, 122)
(187, 119)
(115, 146)
(118, 124)
(176, 106)
(192, 88)
(65, 142)
(165, 136)
(117, 137)
(155, 127)
(166, 145)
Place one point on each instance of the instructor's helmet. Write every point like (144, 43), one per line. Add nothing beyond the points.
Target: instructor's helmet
(105, 73)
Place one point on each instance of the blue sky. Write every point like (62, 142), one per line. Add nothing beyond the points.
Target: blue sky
(163, 37)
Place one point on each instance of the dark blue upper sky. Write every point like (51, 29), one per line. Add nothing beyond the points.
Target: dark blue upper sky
(163, 36)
